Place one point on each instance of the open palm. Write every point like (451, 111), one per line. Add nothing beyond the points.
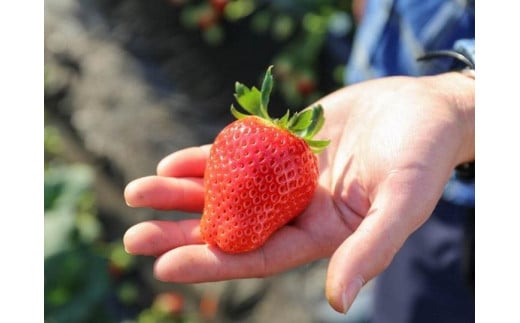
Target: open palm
(394, 144)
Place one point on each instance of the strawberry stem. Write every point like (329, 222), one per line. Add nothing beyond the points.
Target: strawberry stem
(305, 124)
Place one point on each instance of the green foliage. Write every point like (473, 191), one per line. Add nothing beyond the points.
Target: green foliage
(69, 208)
(75, 278)
(86, 279)
(76, 284)
(154, 315)
(299, 26)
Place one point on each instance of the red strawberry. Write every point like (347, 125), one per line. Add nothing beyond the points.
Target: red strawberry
(169, 302)
(207, 18)
(219, 5)
(261, 172)
(306, 86)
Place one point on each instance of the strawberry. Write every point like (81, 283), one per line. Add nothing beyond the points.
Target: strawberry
(169, 302)
(219, 5)
(306, 85)
(261, 172)
(207, 18)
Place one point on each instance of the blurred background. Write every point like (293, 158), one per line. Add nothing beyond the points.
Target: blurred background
(128, 82)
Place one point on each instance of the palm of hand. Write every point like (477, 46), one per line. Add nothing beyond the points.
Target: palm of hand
(385, 169)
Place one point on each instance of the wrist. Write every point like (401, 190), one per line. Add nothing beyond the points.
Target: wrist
(458, 91)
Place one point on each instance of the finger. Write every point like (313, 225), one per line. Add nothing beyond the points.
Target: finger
(166, 193)
(189, 162)
(288, 248)
(394, 215)
(153, 238)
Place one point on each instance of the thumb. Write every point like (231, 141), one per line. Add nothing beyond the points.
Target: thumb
(373, 245)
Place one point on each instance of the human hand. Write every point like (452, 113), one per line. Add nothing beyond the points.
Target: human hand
(394, 144)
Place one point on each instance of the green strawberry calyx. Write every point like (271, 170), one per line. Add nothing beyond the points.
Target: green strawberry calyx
(305, 124)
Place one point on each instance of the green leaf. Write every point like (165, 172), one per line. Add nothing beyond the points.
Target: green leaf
(249, 99)
(237, 114)
(317, 121)
(317, 146)
(267, 86)
(283, 121)
(301, 120)
(58, 228)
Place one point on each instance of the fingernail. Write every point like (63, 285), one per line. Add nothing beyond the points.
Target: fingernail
(351, 292)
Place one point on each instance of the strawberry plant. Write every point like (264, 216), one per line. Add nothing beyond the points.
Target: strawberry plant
(86, 277)
(261, 173)
(305, 32)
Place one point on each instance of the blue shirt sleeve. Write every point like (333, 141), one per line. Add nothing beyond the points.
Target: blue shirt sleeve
(394, 33)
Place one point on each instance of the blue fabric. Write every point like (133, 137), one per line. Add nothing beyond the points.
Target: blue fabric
(425, 282)
(428, 279)
(460, 192)
(394, 33)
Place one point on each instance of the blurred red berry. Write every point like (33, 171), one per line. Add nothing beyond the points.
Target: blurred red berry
(208, 306)
(306, 86)
(207, 19)
(219, 5)
(169, 302)
(114, 270)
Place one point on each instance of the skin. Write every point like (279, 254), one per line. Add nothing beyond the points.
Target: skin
(394, 144)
